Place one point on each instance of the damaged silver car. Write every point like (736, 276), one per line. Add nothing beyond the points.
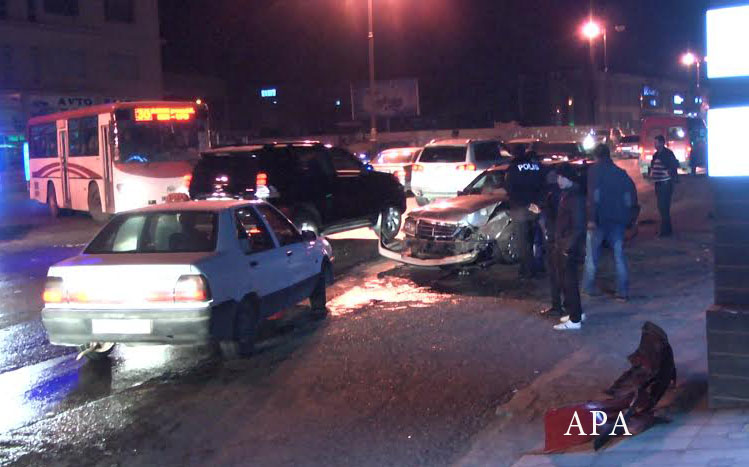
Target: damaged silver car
(472, 229)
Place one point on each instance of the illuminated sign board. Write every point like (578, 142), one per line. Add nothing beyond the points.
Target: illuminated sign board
(26, 166)
(727, 36)
(163, 114)
(725, 158)
(678, 100)
(271, 92)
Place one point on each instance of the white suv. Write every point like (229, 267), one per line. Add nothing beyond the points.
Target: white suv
(185, 273)
(445, 167)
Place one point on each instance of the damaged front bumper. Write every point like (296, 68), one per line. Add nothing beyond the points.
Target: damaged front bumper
(429, 253)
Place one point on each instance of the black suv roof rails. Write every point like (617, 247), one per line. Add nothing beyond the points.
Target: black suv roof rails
(294, 143)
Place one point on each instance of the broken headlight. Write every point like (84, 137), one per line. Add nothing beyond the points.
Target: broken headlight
(409, 227)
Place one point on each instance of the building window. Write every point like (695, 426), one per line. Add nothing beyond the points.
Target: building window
(6, 64)
(119, 11)
(31, 10)
(123, 67)
(61, 7)
(68, 64)
(83, 136)
(36, 65)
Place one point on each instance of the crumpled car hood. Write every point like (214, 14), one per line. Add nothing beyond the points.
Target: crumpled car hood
(455, 209)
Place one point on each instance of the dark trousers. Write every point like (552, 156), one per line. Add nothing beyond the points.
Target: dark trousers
(663, 192)
(523, 224)
(565, 284)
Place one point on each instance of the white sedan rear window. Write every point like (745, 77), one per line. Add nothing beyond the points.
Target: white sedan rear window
(157, 232)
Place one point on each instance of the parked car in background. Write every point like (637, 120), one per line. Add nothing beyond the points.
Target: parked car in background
(445, 167)
(399, 162)
(528, 144)
(685, 136)
(320, 188)
(185, 273)
(628, 147)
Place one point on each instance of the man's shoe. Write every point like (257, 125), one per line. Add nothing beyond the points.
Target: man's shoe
(566, 318)
(553, 312)
(568, 326)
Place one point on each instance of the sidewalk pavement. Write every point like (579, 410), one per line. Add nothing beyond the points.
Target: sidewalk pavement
(716, 438)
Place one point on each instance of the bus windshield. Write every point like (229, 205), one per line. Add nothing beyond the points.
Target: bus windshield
(159, 141)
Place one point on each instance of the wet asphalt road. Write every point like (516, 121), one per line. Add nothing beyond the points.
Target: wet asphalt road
(407, 368)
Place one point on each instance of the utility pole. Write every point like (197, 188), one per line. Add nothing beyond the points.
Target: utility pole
(372, 111)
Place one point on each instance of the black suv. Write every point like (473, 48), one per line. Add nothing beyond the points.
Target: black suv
(321, 188)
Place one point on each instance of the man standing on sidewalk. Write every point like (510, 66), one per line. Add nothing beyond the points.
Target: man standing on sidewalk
(569, 241)
(664, 172)
(524, 184)
(612, 207)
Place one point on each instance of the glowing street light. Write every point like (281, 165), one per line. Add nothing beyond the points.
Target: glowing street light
(591, 30)
(690, 58)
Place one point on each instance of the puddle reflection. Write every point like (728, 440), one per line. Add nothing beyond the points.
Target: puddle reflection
(396, 293)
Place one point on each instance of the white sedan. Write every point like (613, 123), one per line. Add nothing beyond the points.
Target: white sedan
(185, 273)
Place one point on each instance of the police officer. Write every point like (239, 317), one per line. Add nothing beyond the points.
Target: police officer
(525, 183)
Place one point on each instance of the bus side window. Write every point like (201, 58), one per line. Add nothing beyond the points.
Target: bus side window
(83, 137)
(43, 141)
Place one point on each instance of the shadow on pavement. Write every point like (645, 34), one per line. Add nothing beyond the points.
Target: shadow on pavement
(14, 232)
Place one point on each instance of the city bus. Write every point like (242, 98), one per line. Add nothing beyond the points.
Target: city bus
(114, 157)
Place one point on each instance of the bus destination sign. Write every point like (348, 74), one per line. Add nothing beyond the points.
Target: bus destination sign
(162, 114)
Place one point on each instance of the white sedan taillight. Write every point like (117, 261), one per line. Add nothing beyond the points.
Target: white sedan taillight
(192, 288)
(53, 291)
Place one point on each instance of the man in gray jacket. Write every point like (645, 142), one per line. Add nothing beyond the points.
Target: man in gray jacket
(612, 207)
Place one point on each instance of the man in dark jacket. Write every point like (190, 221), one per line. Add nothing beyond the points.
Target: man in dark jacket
(664, 172)
(524, 184)
(611, 207)
(569, 244)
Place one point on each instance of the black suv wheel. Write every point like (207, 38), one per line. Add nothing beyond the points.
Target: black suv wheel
(389, 223)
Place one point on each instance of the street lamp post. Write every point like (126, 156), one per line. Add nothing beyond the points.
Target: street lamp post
(373, 117)
(591, 30)
(689, 59)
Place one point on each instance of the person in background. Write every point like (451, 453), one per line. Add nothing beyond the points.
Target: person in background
(569, 245)
(524, 183)
(547, 221)
(611, 208)
(664, 173)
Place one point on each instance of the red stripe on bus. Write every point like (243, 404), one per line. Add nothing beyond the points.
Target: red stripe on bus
(39, 173)
(84, 171)
(80, 171)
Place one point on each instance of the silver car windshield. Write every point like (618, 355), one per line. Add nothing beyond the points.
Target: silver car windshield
(487, 183)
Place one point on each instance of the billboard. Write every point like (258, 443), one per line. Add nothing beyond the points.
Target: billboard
(47, 104)
(394, 98)
(727, 36)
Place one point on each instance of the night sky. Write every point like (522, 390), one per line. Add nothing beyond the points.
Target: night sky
(461, 50)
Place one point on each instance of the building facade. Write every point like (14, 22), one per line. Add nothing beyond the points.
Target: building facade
(604, 99)
(63, 54)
